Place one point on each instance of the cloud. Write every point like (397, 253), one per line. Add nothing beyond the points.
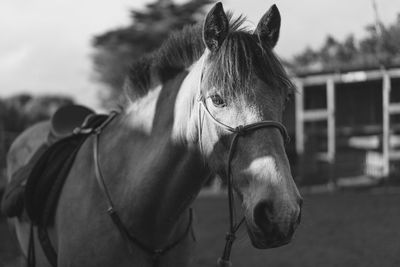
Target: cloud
(45, 44)
(12, 59)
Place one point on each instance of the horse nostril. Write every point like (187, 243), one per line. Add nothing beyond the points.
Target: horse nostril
(263, 211)
(300, 202)
(299, 218)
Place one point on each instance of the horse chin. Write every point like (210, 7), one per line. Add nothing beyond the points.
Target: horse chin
(262, 240)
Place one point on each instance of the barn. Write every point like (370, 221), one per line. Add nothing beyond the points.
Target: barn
(345, 125)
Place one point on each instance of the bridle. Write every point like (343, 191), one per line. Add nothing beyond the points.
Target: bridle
(239, 131)
(234, 226)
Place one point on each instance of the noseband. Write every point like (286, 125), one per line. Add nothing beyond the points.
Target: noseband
(241, 130)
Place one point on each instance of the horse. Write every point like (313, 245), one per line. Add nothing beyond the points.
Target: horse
(187, 113)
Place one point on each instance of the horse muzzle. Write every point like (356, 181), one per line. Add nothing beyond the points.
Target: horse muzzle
(270, 228)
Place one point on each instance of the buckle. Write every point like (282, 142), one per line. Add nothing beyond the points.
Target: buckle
(240, 130)
(81, 130)
(230, 237)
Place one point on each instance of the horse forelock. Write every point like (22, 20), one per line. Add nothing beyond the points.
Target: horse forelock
(241, 58)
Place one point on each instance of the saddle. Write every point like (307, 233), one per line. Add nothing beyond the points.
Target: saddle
(36, 186)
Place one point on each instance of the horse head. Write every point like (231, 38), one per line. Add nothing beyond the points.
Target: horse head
(242, 83)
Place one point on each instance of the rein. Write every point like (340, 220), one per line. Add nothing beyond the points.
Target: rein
(128, 238)
(241, 130)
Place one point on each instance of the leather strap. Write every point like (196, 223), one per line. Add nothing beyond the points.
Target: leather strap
(47, 247)
(155, 253)
(238, 131)
(242, 129)
(42, 231)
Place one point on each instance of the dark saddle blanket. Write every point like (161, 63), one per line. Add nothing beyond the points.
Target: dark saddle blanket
(37, 185)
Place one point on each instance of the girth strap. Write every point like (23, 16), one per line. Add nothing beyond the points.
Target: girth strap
(42, 232)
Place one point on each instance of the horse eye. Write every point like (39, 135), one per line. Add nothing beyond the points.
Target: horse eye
(217, 101)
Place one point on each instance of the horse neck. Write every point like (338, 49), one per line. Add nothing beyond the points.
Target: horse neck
(155, 173)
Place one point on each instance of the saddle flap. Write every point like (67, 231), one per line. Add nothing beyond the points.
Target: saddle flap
(49, 173)
(36, 186)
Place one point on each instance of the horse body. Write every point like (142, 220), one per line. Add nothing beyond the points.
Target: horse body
(137, 200)
(156, 154)
(81, 213)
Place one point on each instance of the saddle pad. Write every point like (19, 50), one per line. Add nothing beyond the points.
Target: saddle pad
(12, 204)
(48, 175)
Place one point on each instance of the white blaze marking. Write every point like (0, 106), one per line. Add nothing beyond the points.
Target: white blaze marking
(264, 168)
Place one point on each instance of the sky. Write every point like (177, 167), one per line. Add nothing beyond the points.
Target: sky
(45, 45)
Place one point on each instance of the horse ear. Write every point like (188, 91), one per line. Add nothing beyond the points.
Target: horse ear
(215, 28)
(269, 26)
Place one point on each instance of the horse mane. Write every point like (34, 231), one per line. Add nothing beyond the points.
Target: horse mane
(177, 53)
(231, 67)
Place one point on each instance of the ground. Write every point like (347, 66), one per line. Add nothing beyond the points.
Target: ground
(357, 228)
(337, 229)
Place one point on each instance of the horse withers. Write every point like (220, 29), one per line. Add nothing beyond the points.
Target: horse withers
(209, 100)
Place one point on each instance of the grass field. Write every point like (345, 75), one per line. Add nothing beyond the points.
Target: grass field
(338, 229)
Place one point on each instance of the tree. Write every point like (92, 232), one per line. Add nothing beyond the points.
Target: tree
(117, 49)
(381, 47)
